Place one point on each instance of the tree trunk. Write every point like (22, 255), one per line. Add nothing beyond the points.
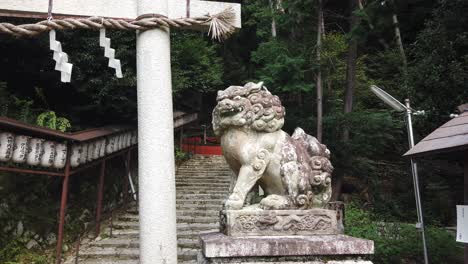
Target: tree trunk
(273, 21)
(319, 73)
(404, 61)
(351, 62)
(372, 27)
(399, 42)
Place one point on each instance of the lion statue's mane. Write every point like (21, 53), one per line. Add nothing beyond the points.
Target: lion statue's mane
(262, 111)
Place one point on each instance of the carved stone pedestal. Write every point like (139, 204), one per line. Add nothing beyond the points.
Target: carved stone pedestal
(218, 248)
(257, 222)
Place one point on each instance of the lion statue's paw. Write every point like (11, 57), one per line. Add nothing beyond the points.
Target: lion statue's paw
(234, 203)
(275, 202)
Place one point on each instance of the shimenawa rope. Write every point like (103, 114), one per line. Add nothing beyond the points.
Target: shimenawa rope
(220, 25)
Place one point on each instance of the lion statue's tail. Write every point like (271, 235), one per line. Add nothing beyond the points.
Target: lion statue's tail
(306, 170)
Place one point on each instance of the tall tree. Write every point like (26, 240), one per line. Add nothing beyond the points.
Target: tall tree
(318, 80)
(351, 63)
(273, 20)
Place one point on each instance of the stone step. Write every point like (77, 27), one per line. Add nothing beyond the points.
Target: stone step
(188, 243)
(182, 215)
(200, 173)
(198, 219)
(207, 185)
(203, 196)
(109, 260)
(103, 252)
(203, 180)
(134, 243)
(129, 217)
(198, 213)
(200, 201)
(204, 167)
(189, 234)
(125, 225)
(117, 242)
(132, 210)
(187, 261)
(205, 164)
(201, 188)
(197, 227)
(197, 191)
(199, 207)
(134, 226)
(185, 254)
(128, 233)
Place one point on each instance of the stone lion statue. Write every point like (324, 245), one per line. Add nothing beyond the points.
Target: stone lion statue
(293, 171)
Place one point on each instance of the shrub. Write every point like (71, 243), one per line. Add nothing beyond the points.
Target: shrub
(401, 242)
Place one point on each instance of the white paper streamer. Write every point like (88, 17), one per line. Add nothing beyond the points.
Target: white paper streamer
(60, 58)
(110, 53)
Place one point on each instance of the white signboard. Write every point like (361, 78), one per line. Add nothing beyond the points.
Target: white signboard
(462, 223)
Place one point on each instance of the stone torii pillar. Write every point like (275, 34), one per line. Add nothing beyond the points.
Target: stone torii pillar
(158, 240)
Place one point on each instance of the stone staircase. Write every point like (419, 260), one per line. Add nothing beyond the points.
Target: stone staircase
(202, 184)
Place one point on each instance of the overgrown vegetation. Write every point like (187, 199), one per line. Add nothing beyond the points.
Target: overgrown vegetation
(397, 242)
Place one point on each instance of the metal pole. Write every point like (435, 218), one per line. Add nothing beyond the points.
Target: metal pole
(99, 198)
(126, 179)
(414, 170)
(181, 138)
(63, 206)
(129, 179)
(204, 134)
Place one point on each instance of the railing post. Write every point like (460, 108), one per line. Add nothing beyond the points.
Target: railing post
(99, 198)
(63, 206)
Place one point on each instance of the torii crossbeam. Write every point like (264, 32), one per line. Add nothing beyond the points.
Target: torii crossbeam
(157, 206)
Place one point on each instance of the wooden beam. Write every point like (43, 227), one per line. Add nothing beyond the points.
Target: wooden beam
(123, 9)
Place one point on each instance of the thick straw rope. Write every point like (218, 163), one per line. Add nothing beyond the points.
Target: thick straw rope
(221, 24)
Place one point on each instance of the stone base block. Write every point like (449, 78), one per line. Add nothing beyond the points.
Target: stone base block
(317, 249)
(257, 222)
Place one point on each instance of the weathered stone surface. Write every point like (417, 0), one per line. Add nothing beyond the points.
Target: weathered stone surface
(215, 245)
(294, 171)
(251, 222)
(284, 260)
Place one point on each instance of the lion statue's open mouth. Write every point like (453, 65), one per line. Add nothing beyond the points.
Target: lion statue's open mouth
(294, 171)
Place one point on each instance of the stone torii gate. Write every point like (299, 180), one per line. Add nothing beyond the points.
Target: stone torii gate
(158, 239)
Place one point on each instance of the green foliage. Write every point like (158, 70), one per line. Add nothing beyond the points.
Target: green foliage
(180, 155)
(16, 253)
(399, 242)
(23, 109)
(50, 120)
(282, 68)
(4, 100)
(195, 64)
(439, 69)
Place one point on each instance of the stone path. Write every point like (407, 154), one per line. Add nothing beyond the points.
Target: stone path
(202, 185)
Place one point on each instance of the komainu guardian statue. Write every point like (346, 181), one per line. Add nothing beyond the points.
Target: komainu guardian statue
(293, 171)
(293, 221)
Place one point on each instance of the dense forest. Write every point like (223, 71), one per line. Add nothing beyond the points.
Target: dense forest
(320, 57)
